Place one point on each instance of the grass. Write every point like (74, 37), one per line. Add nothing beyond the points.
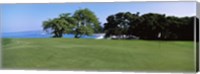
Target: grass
(104, 55)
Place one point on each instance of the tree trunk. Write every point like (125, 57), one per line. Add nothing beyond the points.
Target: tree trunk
(77, 36)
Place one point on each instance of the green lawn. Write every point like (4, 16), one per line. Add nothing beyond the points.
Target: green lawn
(104, 55)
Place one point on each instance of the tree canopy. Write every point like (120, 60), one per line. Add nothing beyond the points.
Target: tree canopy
(151, 26)
(86, 23)
(123, 25)
(58, 26)
(82, 22)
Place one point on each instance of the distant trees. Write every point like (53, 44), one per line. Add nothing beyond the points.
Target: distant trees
(86, 23)
(123, 25)
(151, 26)
(82, 22)
(120, 24)
(58, 26)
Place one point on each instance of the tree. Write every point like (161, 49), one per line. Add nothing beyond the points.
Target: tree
(118, 24)
(109, 27)
(134, 28)
(86, 23)
(186, 30)
(150, 26)
(59, 26)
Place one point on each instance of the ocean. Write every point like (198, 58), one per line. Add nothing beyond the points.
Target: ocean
(37, 34)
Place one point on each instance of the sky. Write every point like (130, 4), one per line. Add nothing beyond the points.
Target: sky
(29, 17)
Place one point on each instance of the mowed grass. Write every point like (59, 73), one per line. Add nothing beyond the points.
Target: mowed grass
(103, 55)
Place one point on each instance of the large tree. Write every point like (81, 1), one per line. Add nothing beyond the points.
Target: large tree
(149, 26)
(118, 24)
(58, 26)
(86, 23)
(174, 27)
(186, 30)
(152, 25)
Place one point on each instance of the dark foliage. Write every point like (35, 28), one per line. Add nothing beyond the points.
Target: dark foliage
(197, 29)
(151, 26)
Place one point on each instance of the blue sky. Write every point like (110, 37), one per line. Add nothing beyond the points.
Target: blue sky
(29, 17)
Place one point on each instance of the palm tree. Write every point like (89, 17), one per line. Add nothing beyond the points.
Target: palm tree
(59, 26)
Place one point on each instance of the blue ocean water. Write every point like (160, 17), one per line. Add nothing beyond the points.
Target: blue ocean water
(37, 34)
